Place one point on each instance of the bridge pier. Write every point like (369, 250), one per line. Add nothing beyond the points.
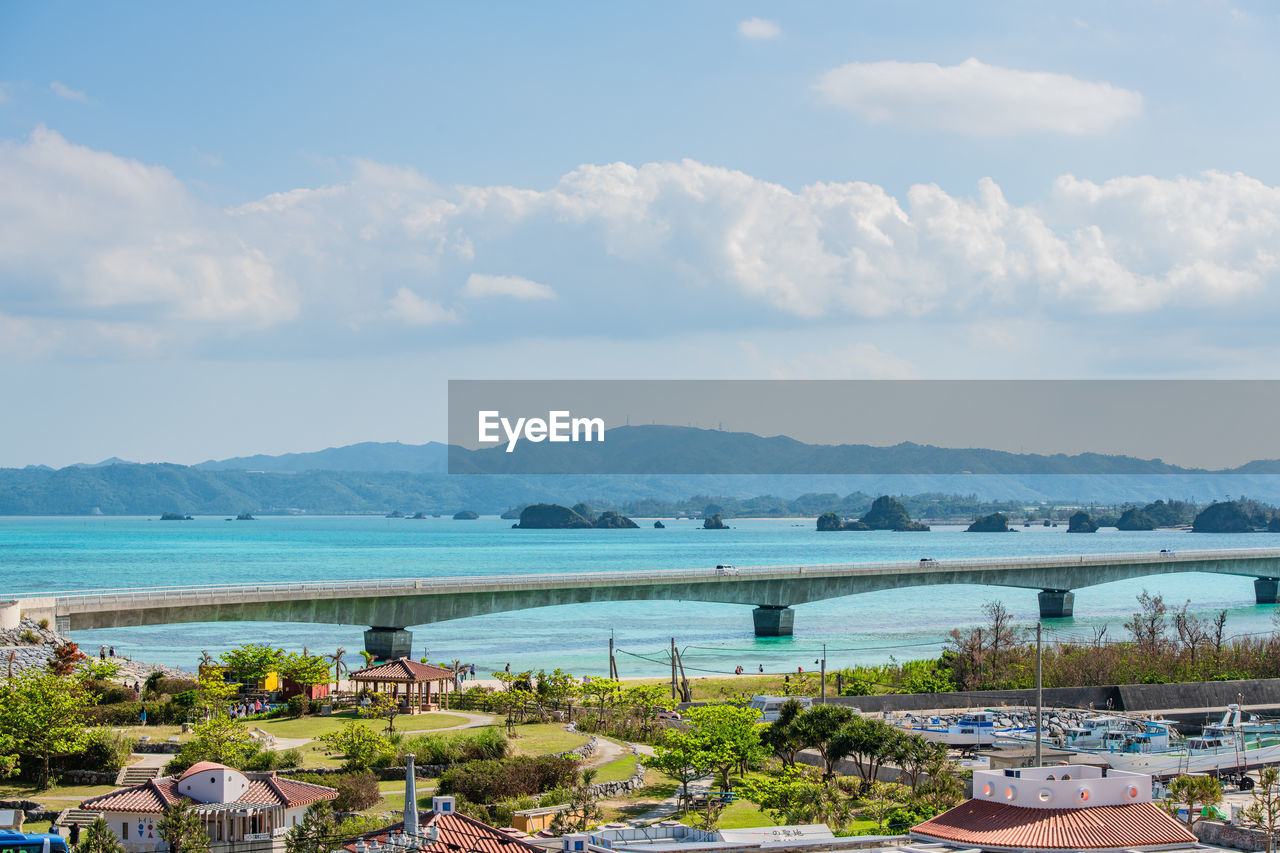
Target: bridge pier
(388, 643)
(1057, 603)
(1267, 590)
(773, 620)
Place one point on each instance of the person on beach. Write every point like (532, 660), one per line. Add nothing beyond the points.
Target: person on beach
(473, 672)
(762, 669)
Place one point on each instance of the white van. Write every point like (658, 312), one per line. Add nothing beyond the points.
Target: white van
(770, 706)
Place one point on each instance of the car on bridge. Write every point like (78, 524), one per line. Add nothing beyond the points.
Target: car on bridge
(726, 570)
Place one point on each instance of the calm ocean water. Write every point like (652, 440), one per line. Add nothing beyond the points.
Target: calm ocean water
(43, 554)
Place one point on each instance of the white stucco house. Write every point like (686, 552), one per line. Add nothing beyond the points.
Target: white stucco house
(235, 806)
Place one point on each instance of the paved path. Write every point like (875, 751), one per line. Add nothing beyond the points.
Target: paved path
(607, 752)
(151, 759)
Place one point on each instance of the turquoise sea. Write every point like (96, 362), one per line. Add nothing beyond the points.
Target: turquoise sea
(45, 554)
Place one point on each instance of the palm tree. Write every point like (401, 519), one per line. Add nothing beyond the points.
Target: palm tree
(183, 829)
(338, 665)
(367, 655)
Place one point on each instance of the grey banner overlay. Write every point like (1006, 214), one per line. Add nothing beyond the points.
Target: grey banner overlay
(866, 426)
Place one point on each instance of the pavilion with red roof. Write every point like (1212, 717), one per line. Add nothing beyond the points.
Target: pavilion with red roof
(409, 683)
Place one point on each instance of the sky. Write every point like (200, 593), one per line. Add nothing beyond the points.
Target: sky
(260, 228)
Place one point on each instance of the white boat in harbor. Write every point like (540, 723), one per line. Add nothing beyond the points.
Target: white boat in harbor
(973, 729)
(1232, 745)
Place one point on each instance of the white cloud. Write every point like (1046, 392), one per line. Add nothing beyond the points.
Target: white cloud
(513, 286)
(409, 307)
(759, 28)
(67, 93)
(97, 248)
(87, 235)
(978, 99)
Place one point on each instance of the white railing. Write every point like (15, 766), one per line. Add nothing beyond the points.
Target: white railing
(131, 597)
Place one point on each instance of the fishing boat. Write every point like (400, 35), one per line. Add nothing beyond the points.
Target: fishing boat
(1233, 745)
(972, 729)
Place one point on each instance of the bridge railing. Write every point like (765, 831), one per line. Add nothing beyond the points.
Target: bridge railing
(372, 588)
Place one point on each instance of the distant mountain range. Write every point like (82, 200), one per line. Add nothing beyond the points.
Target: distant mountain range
(376, 477)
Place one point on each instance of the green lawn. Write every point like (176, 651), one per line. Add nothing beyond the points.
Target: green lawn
(317, 726)
(618, 770)
(60, 793)
(544, 738)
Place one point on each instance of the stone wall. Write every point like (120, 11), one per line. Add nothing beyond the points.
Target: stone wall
(606, 790)
(31, 810)
(1227, 835)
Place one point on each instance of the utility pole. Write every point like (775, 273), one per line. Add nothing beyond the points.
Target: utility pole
(1039, 693)
(673, 667)
(613, 665)
(824, 673)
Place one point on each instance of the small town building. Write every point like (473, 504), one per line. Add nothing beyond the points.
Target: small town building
(235, 806)
(1058, 808)
(441, 830)
(409, 683)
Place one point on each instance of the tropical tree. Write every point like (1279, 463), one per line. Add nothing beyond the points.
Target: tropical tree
(98, 838)
(1192, 790)
(944, 788)
(220, 738)
(316, 833)
(382, 706)
(1264, 812)
(729, 736)
(304, 669)
(358, 744)
(252, 662)
(681, 756)
(44, 716)
(789, 797)
(820, 728)
(604, 693)
(882, 798)
(183, 829)
(783, 737)
(869, 742)
(338, 665)
(367, 656)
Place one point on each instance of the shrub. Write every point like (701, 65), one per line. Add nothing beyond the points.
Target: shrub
(297, 705)
(44, 624)
(174, 686)
(129, 714)
(490, 781)
(505, 811)
(29, 637)
(446, 749)
(105, 750)
(356, 792)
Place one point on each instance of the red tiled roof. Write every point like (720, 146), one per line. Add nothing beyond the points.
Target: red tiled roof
(200, 767)
(997, 826)
(157, 794)
(402, 669)
(457, 832)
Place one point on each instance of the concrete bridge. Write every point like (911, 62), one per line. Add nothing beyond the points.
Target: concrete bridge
(391, 606)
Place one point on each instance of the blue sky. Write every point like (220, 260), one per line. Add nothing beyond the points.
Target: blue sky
(234, 229)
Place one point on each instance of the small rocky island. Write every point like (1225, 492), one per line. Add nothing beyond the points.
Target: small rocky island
(1225, 517)
(245, 516)
(1082, 522)
(174, 516)
(714, 522)
(885, 514)
(997, 522)
(658, 525)
(1135, 519)
(557, 517)
(465, 515)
